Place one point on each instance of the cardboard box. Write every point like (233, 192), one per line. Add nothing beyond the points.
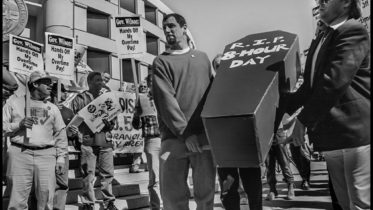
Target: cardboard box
(241, 111)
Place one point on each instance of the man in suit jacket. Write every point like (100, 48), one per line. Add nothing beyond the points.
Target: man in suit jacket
(336, 100)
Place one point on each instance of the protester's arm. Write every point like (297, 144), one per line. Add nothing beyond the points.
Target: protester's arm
(109, 125)
(10, 126)
(351, 47)
(77, 104)
(136, 122)
(9, 81)
(165, 101)
(60, 137)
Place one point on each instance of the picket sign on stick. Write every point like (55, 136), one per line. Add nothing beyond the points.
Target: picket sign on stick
(120, 59)
(135, 79)
(58, 91)
(27, 107)
(25, 57)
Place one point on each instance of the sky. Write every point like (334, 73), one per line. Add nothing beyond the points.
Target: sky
(216, 23)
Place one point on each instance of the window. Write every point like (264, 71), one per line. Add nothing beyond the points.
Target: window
(129, 5)
(98, 23)
(151, 44)
(144, 71)
(98, 60)
(160, 18)
(162, 46)
(151, 13)
(31, 24)
(127, 70)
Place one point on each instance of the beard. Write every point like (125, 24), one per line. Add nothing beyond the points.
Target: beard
(171, 40)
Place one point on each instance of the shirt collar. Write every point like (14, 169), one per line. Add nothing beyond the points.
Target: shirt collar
(338, 24)
(178, 52)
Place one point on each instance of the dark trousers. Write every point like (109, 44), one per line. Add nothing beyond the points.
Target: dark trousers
(302, 159)
(252, 184)
(278, 153)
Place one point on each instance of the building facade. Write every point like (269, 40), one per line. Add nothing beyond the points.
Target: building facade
(91, 23)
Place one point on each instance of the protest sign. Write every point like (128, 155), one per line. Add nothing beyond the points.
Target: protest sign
(242, 109)
(79, 52)
(82, 67)
(130, 40)
(25, 56)
(365, 14)
(124, 137)
(106, 106)
(59, 56)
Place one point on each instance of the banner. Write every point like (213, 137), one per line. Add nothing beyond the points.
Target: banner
(106, 106)
(25, 56)
(131, 40)
(125, 138)
(59, 56)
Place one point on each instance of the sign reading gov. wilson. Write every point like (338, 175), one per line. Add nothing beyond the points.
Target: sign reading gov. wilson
(130, 37)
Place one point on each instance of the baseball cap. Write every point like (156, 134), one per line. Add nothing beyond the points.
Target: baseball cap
(38, 75)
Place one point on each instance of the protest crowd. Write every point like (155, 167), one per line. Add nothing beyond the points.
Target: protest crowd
(327, 113)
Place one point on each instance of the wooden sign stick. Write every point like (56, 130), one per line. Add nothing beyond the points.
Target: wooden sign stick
(134, 72)
(27, 107)
(58, 91)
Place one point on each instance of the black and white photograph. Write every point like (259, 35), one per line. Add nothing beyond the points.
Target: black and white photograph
(186, 105)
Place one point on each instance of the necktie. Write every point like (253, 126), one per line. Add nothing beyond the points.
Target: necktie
(323, 35)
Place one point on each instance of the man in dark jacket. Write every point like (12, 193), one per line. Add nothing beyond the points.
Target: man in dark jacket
(92, 149)
(336, 100)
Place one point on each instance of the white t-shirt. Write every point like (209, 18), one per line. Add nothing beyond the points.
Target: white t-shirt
(47, 115)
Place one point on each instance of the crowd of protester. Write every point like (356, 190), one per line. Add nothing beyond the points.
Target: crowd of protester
(330, 110)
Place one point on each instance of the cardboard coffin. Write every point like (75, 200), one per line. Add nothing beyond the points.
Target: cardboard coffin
(241, 111)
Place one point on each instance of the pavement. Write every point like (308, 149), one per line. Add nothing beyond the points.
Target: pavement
(316, 198)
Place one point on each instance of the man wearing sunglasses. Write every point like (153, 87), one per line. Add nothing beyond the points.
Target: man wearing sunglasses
(37, 158)
(336, 100)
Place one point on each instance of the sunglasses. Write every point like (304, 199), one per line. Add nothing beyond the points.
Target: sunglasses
(324, 1)
(47, 82)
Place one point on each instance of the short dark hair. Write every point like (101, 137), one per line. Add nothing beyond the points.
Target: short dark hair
(355, 9)
(179, 19)
(31, 86)
(92, 75)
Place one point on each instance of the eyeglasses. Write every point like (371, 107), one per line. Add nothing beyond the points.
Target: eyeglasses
(324, 1)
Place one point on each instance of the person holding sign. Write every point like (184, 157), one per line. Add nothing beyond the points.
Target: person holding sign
(180, 85)
(94, 149)
(35, 159)
(336, 100)
(146, 118)
(62, 180)
(106, 78)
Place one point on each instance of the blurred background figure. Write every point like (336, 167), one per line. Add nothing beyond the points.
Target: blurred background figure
(9, 84)
(105, 79)
(146, 118)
